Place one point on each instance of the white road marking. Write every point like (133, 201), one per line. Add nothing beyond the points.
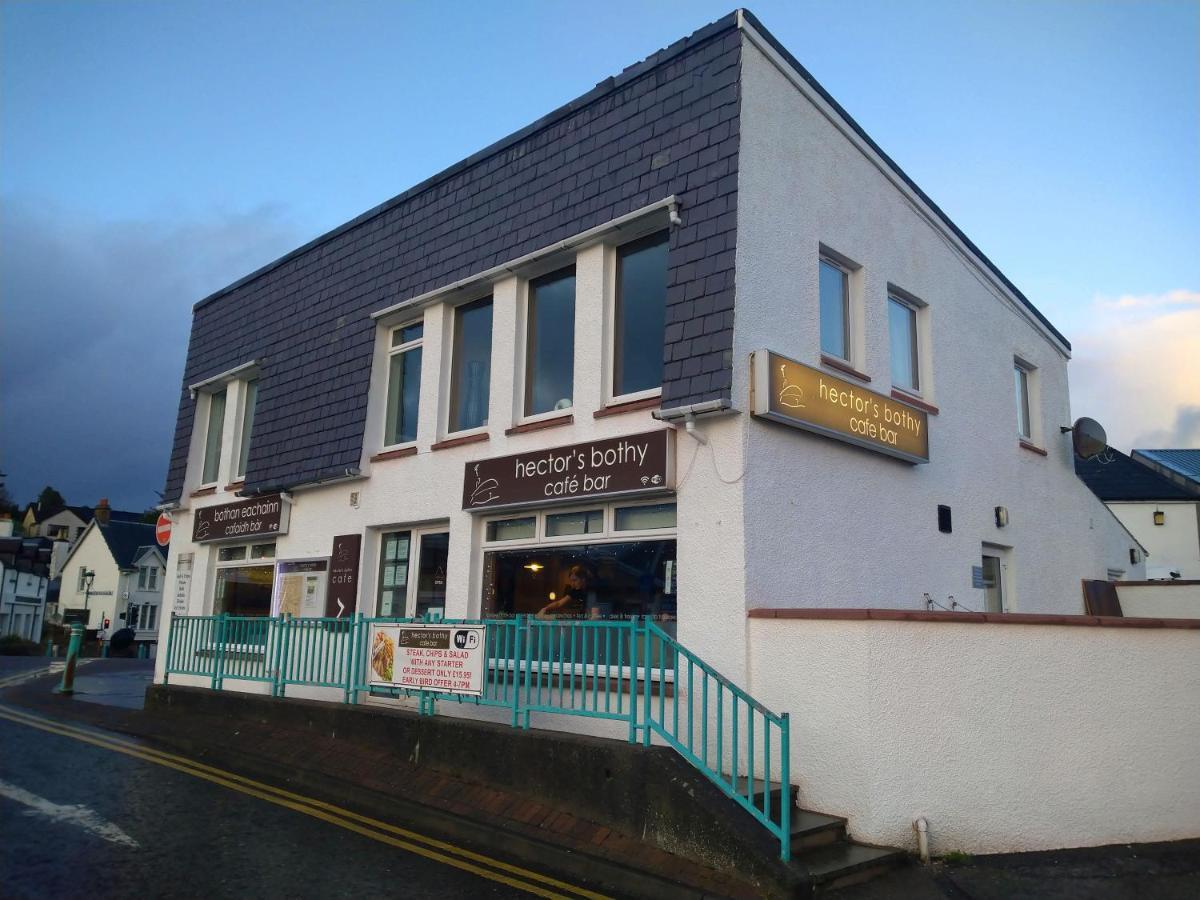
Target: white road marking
(77, 815)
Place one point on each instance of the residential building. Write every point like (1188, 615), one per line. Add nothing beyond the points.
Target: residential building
(66, 523)
(1162, 513)
(24, 577)
(1181, 466)
(126, 585)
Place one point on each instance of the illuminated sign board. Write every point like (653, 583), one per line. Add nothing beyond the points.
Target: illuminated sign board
(794, 394)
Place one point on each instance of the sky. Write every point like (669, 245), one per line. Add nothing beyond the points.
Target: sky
(152, 152)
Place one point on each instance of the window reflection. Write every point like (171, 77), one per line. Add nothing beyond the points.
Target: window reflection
(472, 362)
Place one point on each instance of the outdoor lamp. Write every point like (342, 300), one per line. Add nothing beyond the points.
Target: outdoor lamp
(1160, 517)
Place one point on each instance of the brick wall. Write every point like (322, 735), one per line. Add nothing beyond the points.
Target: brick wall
(667, 125)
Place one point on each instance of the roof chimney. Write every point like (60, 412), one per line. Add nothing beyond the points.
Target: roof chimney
(103, 512)
(6, 525)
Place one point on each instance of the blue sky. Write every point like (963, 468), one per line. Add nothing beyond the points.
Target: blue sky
(152, 152)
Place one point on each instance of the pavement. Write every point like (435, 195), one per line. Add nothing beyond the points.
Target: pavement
(173, 822)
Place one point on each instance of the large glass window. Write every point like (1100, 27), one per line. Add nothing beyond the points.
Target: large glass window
(902, 334)
(249, 401)
(213, 437)
(550, 343)
(471, 358)
(640, 315)
(393, 573)
(404, 384)
(244, 590)
(835, 310)
(399, 579)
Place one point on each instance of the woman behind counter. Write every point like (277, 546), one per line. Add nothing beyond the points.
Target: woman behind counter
(577, 598)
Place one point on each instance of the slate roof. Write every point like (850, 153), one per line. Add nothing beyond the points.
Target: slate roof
(1113, 476)
(85, 514)
(126, 540)
(1183, 462)
(25, 554)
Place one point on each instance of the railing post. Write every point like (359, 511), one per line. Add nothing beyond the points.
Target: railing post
(646, 678)
(285, 625)
(219, 653)
(516, 671)
(785, 780)
(633, 693)
(170, 636)
(276, 641)
(352, 658)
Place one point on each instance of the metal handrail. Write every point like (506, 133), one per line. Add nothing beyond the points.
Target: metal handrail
(624, 670)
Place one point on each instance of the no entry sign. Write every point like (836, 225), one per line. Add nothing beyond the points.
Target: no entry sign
(162, 529)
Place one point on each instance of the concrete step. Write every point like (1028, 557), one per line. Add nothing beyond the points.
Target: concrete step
(812, 829)
(845, 863)
(776, 790)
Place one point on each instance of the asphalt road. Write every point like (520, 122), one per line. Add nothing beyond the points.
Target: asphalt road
(81, 819)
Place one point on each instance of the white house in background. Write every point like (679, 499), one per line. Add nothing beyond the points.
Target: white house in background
(66, 523)
(24, 570)
(126, 588)
(1161, 512)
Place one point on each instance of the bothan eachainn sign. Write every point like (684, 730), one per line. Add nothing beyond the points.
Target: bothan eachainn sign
(633, 464)
(264, 516)
(794, 394)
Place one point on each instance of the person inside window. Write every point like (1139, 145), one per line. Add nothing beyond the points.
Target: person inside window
(578, 597)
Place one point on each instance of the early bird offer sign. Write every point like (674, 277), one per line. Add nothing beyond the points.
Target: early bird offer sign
(445, 658)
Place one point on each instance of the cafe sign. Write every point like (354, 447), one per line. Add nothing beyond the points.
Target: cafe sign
(634, 464)
(794, 394)
(265, 516)
(443, 658)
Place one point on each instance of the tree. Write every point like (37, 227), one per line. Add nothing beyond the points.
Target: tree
(50, 498)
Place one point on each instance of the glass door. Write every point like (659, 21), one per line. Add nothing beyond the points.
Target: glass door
(412, 573)
(431, 573)
(993, 583)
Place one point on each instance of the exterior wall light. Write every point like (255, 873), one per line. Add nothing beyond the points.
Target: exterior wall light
(1134, 556)
(1001, 516)
(1160, 517)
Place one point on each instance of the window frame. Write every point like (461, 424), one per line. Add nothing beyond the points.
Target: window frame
(613, 271)
(607, 535)
(246, 561)
(521, 382)
(210, 396)
(1023, 397)
(390, 353)
(245, 422)
(416, 534)
(917, 311)
(451, 362)
(848, 323)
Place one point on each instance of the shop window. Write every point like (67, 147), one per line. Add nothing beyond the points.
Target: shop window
(213, 437)
(835, 309)
(644, 518)
(243, 587)
(471, 361)
(393, 574)
(902, 336)
(571, 523)
(550, 344)
(639, 321)
(512, 529)
(249, 401)
(412, 583)
(404, 384)
(1021, 376)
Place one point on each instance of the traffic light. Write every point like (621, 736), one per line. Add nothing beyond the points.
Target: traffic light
(107, 623)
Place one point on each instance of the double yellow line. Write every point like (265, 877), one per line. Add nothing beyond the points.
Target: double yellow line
(401, 838)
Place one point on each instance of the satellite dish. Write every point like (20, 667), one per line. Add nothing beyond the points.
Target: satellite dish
(1088, 438)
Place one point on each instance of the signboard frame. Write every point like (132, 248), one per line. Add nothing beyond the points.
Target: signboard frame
(207, 529)
(764, 404)
(310, 567)
(475, 659)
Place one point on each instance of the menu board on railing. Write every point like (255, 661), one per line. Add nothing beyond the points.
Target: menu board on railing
(447, 659)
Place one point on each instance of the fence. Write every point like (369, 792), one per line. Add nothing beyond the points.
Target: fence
(626, 671)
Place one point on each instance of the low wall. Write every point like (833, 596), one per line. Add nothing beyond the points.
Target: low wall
(1160, 599)
(1007, 733)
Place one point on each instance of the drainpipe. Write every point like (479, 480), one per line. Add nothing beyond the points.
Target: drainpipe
(921, 827)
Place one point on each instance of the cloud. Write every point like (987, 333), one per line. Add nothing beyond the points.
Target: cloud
(1137, 369)
(94, 322)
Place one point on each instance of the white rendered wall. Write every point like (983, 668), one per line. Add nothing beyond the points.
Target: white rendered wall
(831, 525)
(104, 600)
(1173, 546)
(896, 720)
(1160, 599)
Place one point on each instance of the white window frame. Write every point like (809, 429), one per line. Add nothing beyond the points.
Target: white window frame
(922, 369)
(521, 366)
(612, 253)
(449, 360)
(142, 577)
(398, 350)
(847, 305)
(416, 534)
(243, 438)
(152, 578)
(1030, 398)
(242, 564)
(222, 462)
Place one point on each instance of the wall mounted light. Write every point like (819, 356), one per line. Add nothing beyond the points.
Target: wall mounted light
(535, 567)
(1134, 556)
(1001, 516)
(1160, 517)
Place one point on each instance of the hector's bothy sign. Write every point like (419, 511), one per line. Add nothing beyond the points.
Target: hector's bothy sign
(636, 463)
(257, 517)
(789, 392)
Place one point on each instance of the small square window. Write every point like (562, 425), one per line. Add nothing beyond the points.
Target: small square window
(512, 529)
(644, 518)
(562, 524)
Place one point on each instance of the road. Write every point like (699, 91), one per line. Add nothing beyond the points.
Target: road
(80, 818)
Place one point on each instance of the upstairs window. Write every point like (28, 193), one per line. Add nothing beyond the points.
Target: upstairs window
(404, 384)
(902, 335)
(550, 344)
(640, 311)
(249, 401)
(152, 578)
(1024, 419)
(142, 578)
(213, 437)
(835, 310)
(471, 359)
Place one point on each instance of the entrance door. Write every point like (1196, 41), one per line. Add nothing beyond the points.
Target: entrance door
(412, 573)
(432, 555)
(993, 583)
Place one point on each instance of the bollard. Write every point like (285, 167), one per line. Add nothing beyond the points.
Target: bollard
(49, 647)
(104, 649)
(68, 680)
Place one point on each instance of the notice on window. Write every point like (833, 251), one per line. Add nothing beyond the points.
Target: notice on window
(183, 583)
(300, 588)
(446, 659)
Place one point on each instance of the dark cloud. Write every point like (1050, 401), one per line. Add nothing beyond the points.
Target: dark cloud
(1184, 434)
(94, 320)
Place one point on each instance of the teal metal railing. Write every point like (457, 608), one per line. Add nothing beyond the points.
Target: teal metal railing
(630, 671)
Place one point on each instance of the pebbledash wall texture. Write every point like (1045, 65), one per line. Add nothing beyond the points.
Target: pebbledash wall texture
(665, 126)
